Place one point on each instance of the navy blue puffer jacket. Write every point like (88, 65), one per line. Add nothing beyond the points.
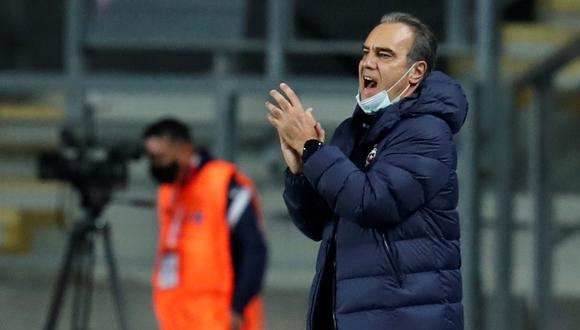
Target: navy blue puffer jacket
(390, 220)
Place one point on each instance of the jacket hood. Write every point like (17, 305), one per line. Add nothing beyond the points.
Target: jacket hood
(438, 95)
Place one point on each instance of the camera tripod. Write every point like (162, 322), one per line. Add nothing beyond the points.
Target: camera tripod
(78, 262)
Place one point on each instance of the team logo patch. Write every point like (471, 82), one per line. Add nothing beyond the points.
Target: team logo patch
(371, 156)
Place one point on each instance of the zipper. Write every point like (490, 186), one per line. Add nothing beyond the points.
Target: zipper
(390, 257)
(315, 297)
(317, 283)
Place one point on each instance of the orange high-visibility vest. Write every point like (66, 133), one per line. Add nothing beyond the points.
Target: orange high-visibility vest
(201, 298)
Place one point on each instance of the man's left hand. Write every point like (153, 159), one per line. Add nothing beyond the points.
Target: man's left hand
(237, 321)
(294, 124)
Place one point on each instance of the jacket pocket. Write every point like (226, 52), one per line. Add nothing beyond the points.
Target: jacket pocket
(392, 258)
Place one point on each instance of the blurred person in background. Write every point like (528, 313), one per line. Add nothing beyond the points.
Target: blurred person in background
(382, 194)
(212, 250)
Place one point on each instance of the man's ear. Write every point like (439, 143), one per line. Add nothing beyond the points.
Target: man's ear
(418, 73)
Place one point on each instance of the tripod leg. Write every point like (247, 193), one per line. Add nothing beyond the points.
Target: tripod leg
(83, 282)
(89, 282)
(75, 239)
(77, 282)
(114, 278)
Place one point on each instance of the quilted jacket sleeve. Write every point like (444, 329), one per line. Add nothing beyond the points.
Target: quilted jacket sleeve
(413, 166)
(308, 210)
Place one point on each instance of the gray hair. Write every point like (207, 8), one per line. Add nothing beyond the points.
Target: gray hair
(424, 46)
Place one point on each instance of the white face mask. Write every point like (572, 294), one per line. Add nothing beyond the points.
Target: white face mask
(381, 100)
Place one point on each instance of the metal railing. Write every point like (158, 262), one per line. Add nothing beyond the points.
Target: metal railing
(279, 42)
(546, 231)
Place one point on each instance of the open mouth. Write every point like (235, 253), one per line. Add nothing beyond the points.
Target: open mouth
(369, 82)
(370, 87)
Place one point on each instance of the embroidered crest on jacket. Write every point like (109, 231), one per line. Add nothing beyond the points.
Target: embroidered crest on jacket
(371, 156)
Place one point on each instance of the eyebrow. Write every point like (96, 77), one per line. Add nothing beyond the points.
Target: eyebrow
(380, 49)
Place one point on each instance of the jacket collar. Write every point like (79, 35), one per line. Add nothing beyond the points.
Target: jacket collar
(437, 95)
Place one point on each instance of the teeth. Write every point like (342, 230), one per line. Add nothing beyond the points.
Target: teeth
(368, 81)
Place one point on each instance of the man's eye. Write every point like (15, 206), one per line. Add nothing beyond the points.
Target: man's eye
(384, 55)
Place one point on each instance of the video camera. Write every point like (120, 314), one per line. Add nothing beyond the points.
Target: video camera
(95, 171)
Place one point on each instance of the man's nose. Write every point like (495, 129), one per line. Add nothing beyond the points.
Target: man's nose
(369, 61)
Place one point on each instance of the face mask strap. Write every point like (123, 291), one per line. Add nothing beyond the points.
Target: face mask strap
(403, 76)
(396, 99)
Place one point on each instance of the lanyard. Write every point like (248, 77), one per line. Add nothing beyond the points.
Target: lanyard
(179, 214)
(176, 222)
